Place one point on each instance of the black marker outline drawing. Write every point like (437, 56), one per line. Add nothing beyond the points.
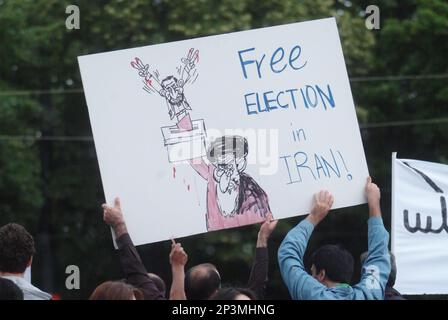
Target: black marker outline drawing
(418, 224)
(234, 198)
(172, 89)
(228, 157)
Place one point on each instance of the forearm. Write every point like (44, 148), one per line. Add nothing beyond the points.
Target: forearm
(199, 165)
(120, 229)
(185, 76)
(262, 241)
(378, 237)
(177, 291)
(293, 247)
(375, 209)
(314, 220)
(259, 272)
(154, 83)
(376, 268)
(290, 257)
(134, 270)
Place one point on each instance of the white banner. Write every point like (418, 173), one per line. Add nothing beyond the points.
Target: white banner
(214, 132)
(420, 226)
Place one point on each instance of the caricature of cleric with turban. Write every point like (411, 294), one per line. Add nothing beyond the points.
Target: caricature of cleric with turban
(234, 198)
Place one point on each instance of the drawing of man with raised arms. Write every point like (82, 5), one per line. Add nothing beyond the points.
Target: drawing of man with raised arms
(234, 198)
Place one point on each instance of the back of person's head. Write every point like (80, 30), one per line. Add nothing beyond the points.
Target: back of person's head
(393, 268)
(336, 261)
(116, 290)
(202, 281)
(160, 284)
(232, 293)
(9, 290)
(16, 248)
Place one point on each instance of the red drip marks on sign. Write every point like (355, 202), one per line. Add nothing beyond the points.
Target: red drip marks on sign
(174, 172)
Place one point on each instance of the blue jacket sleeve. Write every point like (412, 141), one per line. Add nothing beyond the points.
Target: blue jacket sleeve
(301, 285)
(376, 268)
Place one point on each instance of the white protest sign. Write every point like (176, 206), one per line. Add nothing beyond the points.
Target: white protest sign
(419, 226)
(214, 132)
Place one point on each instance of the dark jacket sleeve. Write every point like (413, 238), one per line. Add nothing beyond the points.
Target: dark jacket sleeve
(259, 274)
(134, 269)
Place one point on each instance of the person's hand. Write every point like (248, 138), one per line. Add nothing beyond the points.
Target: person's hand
(266, 229)
(178, 256)
(373, 195)
(113, 216)
(143, 69)
(323, 203)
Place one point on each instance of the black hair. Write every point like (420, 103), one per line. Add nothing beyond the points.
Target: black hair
(169, 78)
(235, 145)
(16, 248)
(159, 283)
(336, 261)
(202, 281)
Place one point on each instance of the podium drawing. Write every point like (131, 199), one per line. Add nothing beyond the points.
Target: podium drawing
(234, 198)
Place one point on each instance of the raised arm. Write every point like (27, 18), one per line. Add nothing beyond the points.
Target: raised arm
(376, 268)
(259, 273)
(133, 268)
(150, 81)
(198, 164)
(178, 260)
(189, 65)
(301, 285)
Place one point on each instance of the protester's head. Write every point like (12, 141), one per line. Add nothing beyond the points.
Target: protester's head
(202, 281)
(160, 284)
(332, 264)
(16, 248)
(393, 268)
(231, 293)
(116, 290)
(9, 290)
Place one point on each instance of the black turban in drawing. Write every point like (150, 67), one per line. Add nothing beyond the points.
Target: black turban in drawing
(226, 146)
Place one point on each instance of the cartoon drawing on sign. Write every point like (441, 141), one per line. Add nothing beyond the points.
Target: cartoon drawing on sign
(428, 228)
(171, 88)
(234, 198)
